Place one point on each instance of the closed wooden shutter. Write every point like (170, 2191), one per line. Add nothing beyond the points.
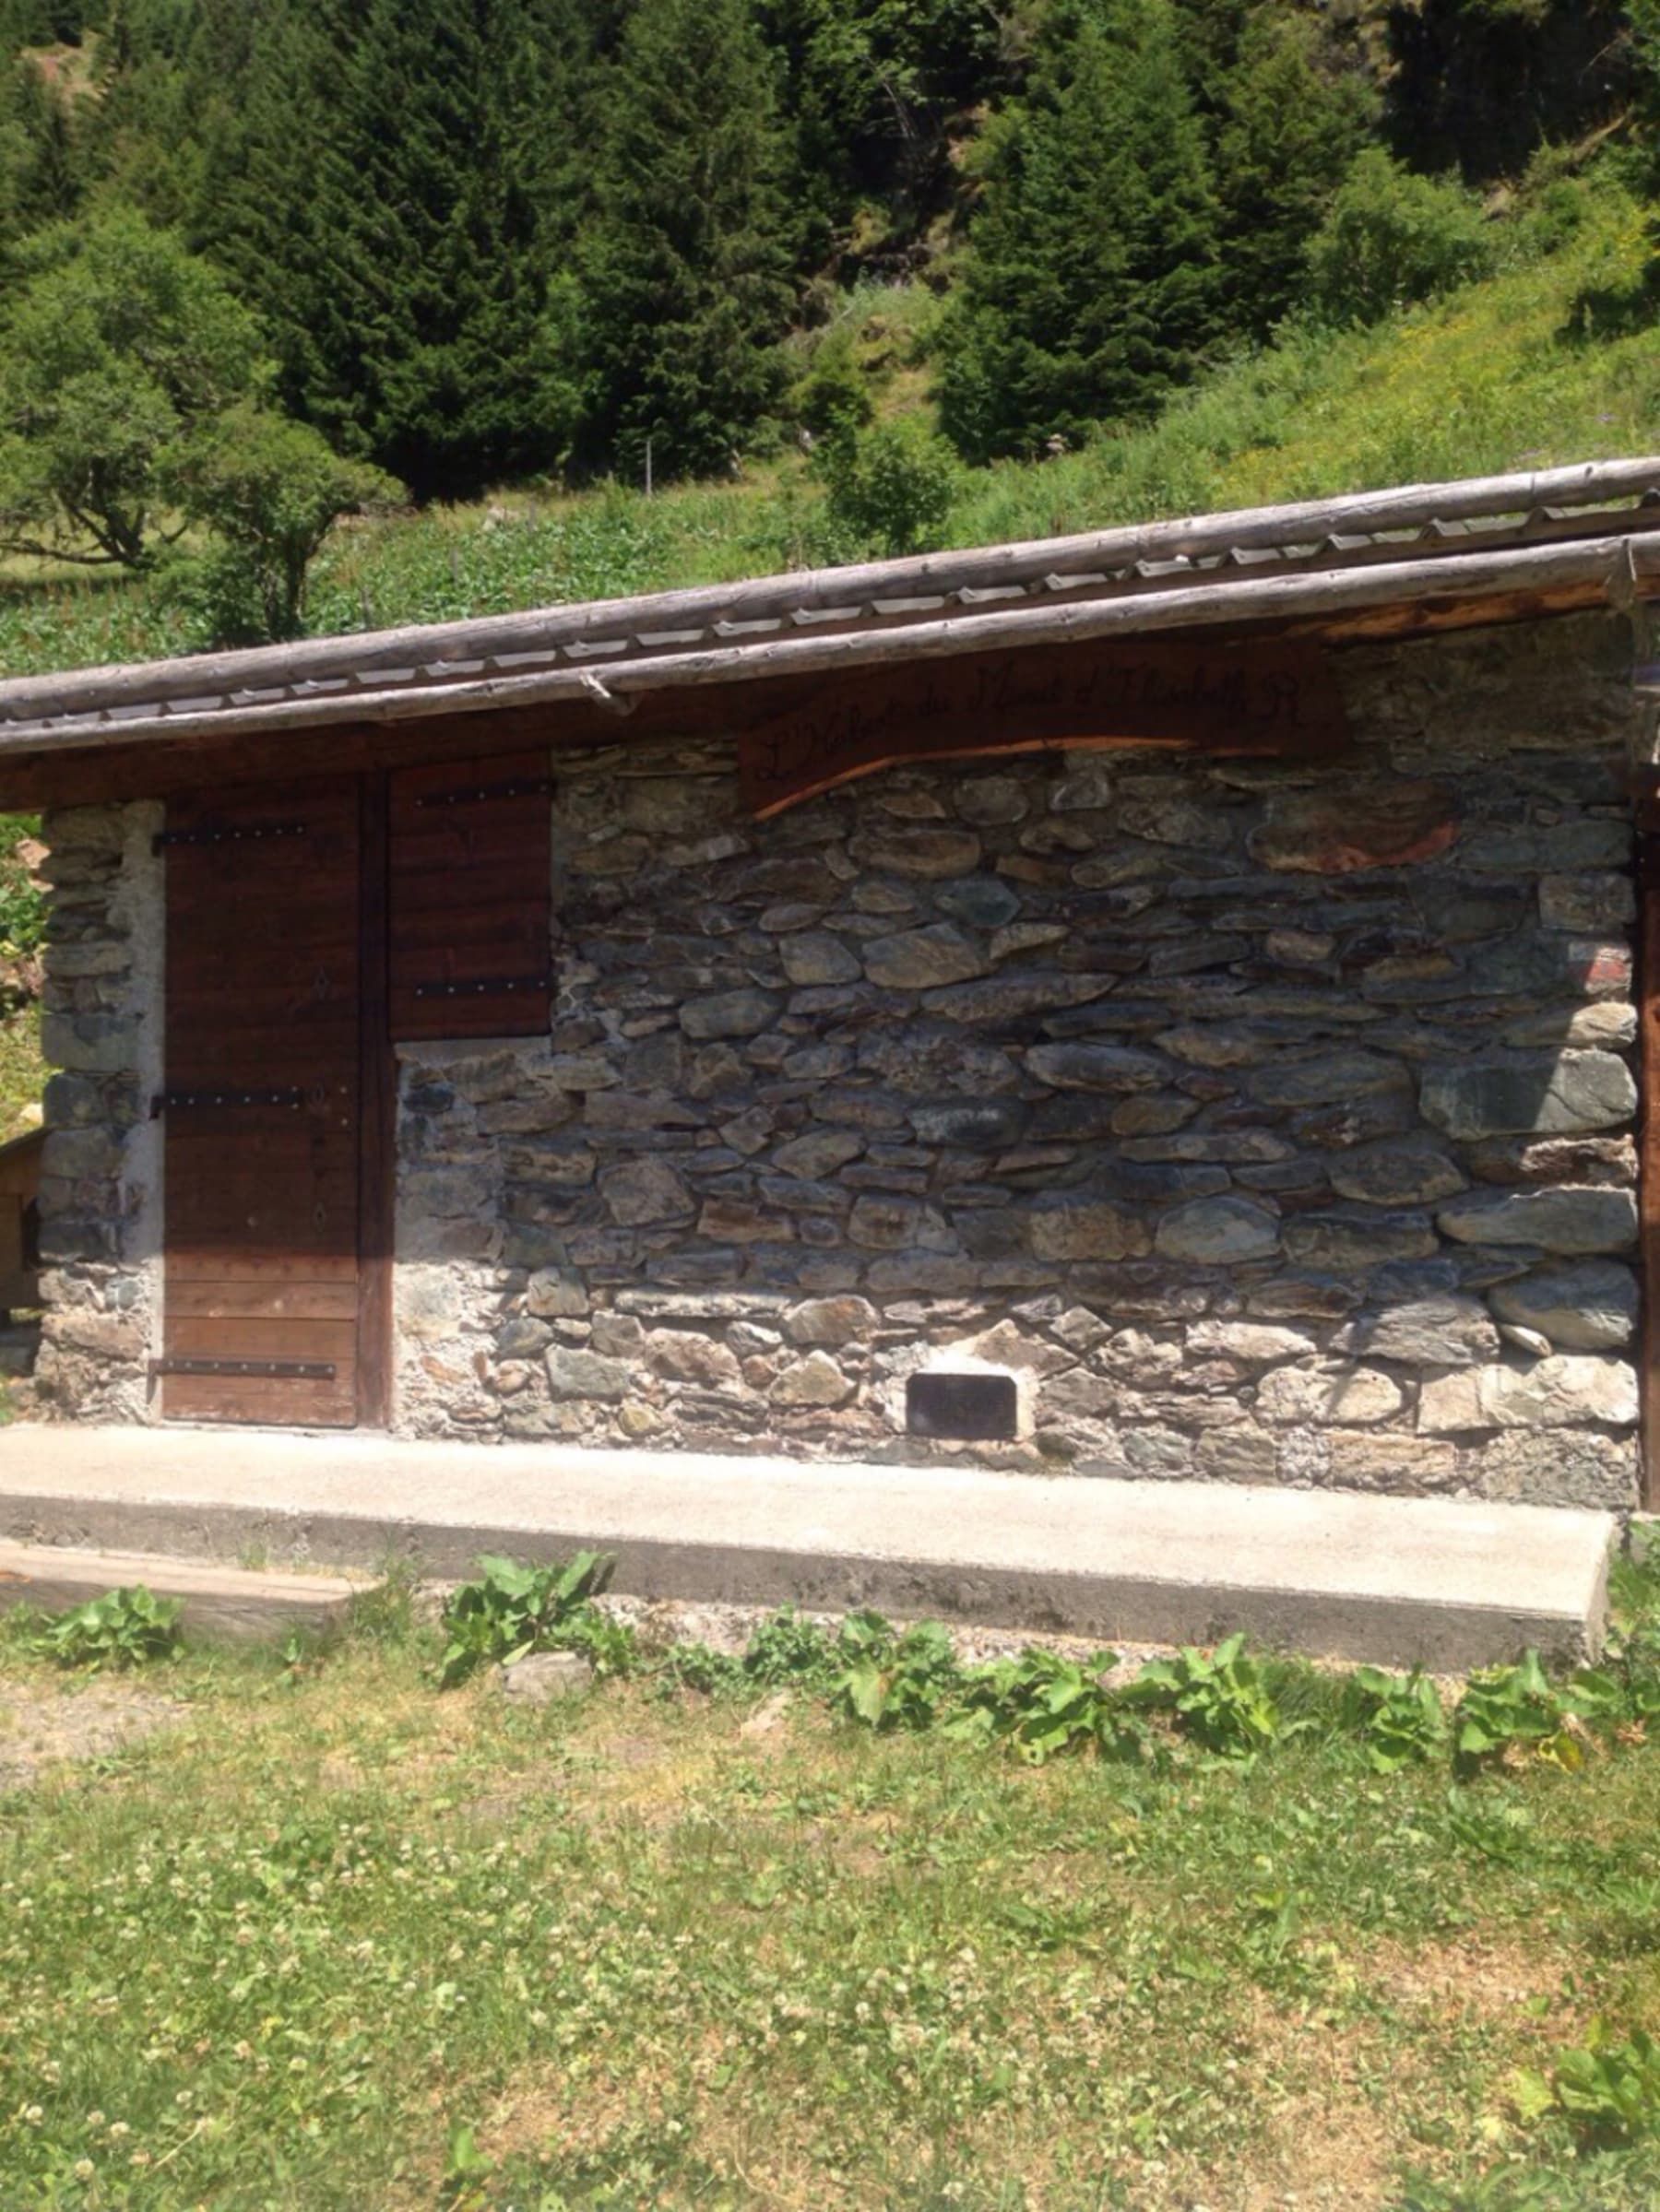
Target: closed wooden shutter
(470, 900)
(262, 1105)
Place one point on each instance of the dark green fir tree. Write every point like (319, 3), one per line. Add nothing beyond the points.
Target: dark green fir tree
(684, 268)
(1092, 285)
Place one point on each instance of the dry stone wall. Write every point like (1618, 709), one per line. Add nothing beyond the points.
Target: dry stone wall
(101, 1183)
(1269, 1121)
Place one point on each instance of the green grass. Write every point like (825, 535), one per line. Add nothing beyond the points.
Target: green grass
(22, 1072)
(282, 1953)
(1553, 359)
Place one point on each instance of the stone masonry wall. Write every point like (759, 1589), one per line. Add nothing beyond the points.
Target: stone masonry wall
(1271, 1122)
(101, 1185)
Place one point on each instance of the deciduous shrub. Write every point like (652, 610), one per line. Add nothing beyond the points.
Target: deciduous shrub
(1391, 239)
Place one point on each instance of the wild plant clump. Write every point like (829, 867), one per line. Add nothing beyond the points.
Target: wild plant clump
(122, 1628)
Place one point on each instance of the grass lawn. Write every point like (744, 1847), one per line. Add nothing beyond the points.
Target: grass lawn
(278, 1951)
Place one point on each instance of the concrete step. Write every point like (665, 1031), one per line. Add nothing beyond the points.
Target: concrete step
(217, 1602)
(1446, 1582)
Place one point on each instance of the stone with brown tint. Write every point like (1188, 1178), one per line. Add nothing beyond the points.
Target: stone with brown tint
(831, 1321)
(1373, 825)
(933, 853)
(1556, 1160)
(1087, 1229)
(917, 960)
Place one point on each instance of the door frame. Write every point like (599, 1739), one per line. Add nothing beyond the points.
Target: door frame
(377, 1108)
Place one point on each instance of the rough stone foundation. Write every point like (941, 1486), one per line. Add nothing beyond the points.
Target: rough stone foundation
(101, 1183)
(1273, 1122)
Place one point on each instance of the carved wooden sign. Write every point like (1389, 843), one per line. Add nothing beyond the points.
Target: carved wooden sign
(1219, 699)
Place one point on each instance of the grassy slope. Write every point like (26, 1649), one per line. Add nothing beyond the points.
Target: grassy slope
(1508, 373)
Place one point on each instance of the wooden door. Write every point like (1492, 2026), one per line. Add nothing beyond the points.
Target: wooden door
(264, 1104)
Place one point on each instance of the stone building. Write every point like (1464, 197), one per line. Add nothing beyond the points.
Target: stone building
(1161, 1002)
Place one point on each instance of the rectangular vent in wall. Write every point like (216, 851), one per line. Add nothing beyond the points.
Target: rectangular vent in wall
(962, 1409)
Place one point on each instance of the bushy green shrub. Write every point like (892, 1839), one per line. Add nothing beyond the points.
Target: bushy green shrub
(889, 489)
(1391, 239)
(513, 1609)
(890, 1681)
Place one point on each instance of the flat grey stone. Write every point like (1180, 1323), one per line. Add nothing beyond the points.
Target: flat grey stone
(1338, 1395)
(1344, 1238)
(815, 956)
(1547, 1091)
(1566, 1392)
(814, 1381)
(1095, 1067)
(1447, 1331)
(930, 853)
(1087, 1229)
(576, 1374)
(741, 1013)
(1590, 1218)
(1591, 1307)
(642, 1191)
(919, 960)
(972, 1125)
(545, 1677)
(1403, 1172)
(1327, 1079)
(983, 902)
(1008, 997)
(1221, 1231)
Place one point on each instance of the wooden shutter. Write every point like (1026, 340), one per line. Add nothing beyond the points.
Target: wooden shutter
(262, 1105)
(470, 899)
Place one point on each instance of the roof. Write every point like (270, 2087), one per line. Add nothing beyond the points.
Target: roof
(1523, 543)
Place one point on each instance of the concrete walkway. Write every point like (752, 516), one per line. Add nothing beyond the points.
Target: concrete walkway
(1393, 1579)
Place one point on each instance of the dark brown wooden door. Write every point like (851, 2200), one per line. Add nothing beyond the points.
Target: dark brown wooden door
(264, 1106)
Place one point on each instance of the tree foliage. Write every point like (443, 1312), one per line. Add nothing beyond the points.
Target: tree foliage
(487, 239)
(269, 490)
(685, 265)
(1093, 289)
(1392, 239)
(116, 347)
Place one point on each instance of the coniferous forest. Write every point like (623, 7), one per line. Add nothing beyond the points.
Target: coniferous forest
(266, 262)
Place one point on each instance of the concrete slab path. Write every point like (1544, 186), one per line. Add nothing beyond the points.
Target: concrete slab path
(1449, 1583)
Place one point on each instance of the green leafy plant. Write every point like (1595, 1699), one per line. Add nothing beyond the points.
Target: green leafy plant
(1513, 1709)
(513, 1609)
(609, 1645)
(699, 1669)
(466, 2171)
(126, 1628)
(1607, 2088)
(1046, 1706)
(1399, 1716)
(1218, 1700)
(888, 1681)
(787, 1652)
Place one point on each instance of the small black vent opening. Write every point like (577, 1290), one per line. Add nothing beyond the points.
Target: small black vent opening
(962, 1409)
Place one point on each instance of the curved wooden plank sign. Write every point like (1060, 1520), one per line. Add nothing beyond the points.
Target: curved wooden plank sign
(1200, 698)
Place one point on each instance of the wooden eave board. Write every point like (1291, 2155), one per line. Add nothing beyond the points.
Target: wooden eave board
(84, 770)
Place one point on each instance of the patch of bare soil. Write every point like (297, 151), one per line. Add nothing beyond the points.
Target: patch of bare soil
(45, 1725)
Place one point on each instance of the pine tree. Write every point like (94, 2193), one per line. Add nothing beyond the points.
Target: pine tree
(1091, 289)
(376, 192)
(683, 271)
(1294, 117)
